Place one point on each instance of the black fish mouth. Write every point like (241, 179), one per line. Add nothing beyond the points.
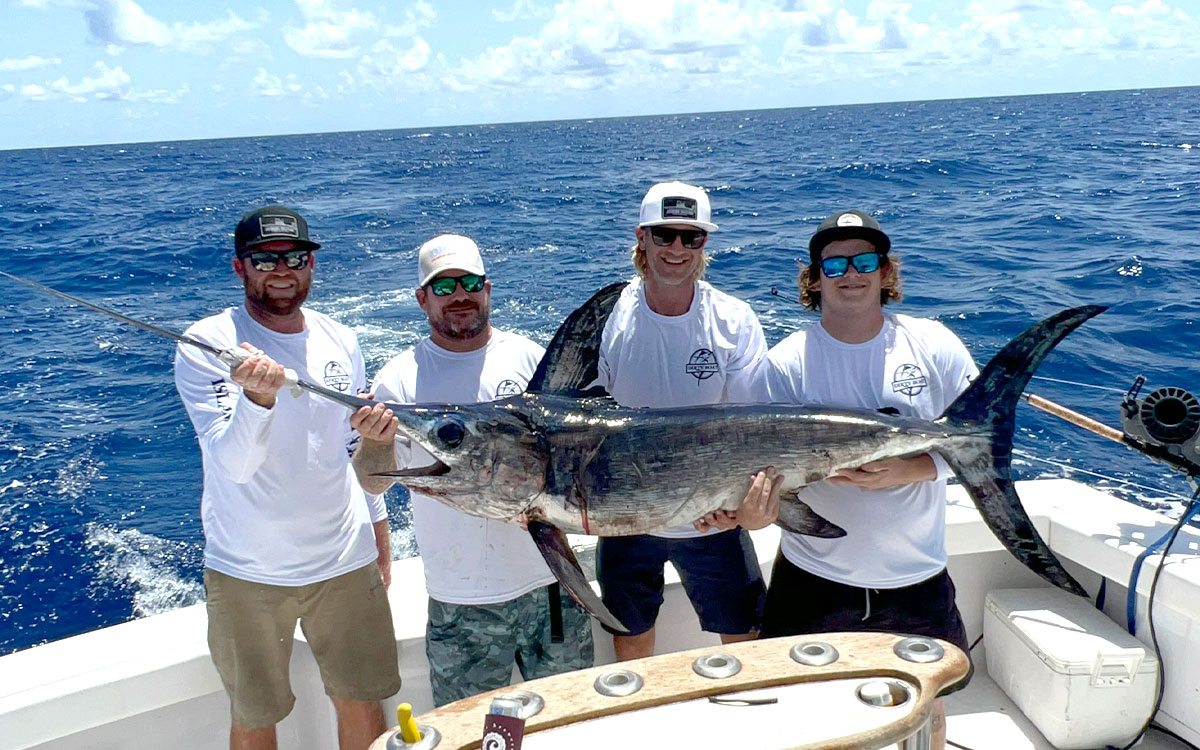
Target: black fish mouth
(435, 469)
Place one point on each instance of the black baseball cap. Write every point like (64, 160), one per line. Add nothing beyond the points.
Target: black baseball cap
(271, 224)
(848, 225)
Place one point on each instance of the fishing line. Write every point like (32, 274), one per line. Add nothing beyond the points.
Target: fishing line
(1126, 482)
(1081, 385)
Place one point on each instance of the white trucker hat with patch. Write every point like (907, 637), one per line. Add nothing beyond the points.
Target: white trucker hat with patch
(448, 252)
(677, 203)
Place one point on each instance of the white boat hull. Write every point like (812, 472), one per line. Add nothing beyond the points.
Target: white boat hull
(150, 683)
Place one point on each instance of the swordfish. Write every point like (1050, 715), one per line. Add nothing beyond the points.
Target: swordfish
(567, 458)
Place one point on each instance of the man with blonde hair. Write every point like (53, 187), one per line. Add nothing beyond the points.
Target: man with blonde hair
(891, 576)
(673, 340)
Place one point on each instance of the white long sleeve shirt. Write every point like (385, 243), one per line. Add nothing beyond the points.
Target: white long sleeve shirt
(281, 503)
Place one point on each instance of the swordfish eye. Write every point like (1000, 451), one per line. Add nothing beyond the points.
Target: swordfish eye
(450, 433)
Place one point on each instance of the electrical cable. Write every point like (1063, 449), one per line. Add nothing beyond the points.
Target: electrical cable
(1162, 671)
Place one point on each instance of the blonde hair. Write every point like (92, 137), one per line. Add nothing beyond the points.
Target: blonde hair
(810, 283)
(638, 256)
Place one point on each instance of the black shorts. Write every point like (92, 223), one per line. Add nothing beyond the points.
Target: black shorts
(799, 603)
(719, 572)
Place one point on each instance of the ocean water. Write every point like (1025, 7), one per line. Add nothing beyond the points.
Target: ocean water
(1003, 210)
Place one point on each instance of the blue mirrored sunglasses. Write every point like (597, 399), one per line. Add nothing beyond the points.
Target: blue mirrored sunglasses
(837, 265)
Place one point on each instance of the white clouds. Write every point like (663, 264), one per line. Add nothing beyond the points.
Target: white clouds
(385, 60)
(106, 84)
(27, 63)
(520, 59)
(592, 43)
(265, 84)
(329, 31)
(122, 23)
(520, 9)
(420, 16)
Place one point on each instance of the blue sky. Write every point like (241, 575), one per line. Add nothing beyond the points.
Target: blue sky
(115, 71)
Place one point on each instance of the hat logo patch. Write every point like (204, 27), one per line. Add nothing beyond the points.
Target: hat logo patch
(277, 225)
(849, 220)
(678, 207)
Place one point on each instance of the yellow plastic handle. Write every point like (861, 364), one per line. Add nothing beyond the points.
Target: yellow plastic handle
(408, 725)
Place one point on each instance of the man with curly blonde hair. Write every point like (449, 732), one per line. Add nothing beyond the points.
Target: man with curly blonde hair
(889, 572)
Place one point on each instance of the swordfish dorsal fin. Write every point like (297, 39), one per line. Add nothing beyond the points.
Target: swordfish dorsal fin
(569, 365)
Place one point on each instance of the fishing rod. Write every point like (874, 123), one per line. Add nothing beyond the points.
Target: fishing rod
(1164, 426)
(232, 356)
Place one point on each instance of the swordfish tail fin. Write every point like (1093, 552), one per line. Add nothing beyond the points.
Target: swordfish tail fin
(986, 469)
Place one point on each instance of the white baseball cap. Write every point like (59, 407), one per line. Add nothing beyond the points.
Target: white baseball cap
(676, 203)
(448, 252)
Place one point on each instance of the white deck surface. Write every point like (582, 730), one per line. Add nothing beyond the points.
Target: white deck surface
(981, 717)
(151, 684)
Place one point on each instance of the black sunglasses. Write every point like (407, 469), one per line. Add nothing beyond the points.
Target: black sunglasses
(444, 286)
(264, 262)
(837, 265)
(692, 239)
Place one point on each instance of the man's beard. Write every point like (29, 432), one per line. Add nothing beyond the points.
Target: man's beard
(260, 297)
(453, 329)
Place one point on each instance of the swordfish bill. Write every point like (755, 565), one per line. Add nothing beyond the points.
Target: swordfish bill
(566, 458)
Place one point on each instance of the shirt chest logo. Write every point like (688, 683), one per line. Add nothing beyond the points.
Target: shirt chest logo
(507, 388)
(336, 377)
(909, 380)
(702, 365)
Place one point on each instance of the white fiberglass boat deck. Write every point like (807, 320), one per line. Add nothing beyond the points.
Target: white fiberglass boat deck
(150, 683)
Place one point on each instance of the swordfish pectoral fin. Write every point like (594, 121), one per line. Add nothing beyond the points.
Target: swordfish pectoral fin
(552, 543)
(796, 516)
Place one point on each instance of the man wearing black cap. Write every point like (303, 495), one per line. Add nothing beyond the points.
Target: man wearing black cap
(889, 572)
(289, 533)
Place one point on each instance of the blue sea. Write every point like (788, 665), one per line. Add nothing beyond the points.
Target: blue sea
(1003, 210)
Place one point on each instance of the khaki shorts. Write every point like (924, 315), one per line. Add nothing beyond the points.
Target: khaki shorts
(346, 621)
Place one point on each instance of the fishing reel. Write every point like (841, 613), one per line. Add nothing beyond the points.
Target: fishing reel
(1167, 421)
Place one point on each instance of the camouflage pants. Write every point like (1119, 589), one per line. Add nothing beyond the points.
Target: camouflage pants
(472, 648)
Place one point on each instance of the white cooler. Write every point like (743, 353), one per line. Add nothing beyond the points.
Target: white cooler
(1078, 676)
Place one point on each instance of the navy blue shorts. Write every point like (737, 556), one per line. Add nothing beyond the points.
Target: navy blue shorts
(799, 603)
(719, 572)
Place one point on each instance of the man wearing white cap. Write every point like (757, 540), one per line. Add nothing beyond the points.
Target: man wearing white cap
(492, 600)
(674, 340)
